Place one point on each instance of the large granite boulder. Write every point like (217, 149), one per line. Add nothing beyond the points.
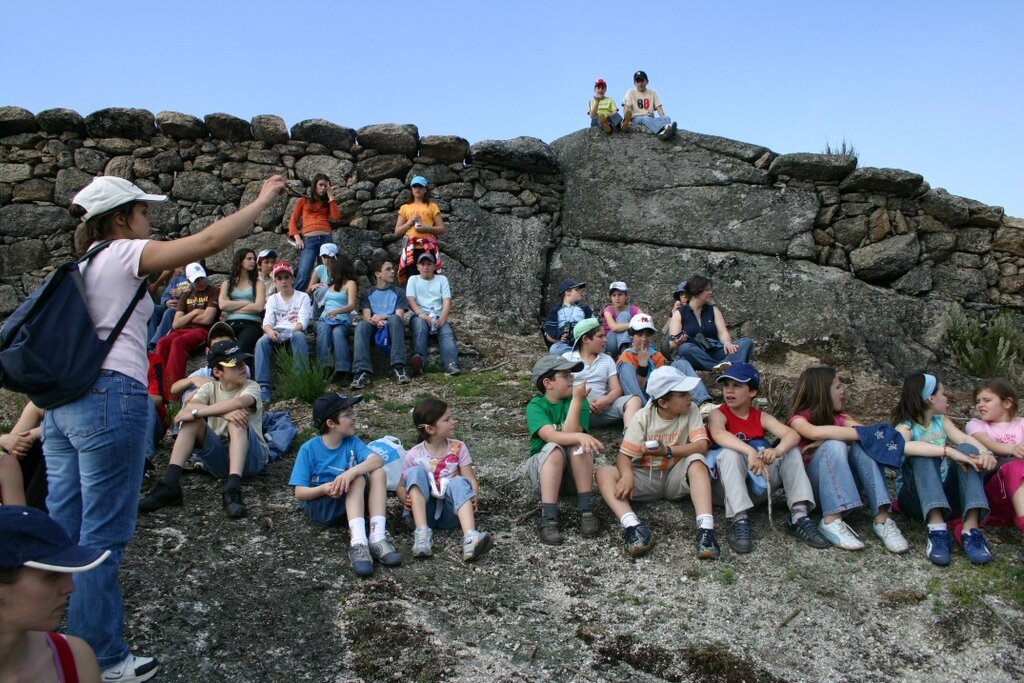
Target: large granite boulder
(447, 149)
(639, 189)
(181, 126)
(823, 167)
(60, 120)
(15, 120)
(28, 220)
(270, 128)
(228, 127)
(868, 179)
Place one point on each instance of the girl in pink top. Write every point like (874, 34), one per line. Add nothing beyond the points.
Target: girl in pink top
(615, 318)
(1001, 430)
(839, 469)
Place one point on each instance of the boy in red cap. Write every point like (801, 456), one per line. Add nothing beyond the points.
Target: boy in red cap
(602, 110)
(284, 322)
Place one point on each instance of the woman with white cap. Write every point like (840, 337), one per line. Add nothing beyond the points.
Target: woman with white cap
(95, 445)
(37, 560)
(419, 222)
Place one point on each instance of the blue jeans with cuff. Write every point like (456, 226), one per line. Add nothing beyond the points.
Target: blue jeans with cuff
(445, 340)
(441, 513)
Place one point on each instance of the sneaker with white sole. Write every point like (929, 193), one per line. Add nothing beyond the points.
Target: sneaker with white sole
(131, 669)
(891, 536)
(475, 544)
(724, 365)
(840, 534)
(422, 542)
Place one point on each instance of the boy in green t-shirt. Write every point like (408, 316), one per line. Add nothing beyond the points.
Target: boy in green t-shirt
(602, 110)
(558, 420)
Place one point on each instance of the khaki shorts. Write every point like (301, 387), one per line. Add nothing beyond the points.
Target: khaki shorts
(536, 461)
(650, 485)
(612, 414)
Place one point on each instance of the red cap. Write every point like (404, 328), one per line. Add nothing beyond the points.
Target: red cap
(282, 266)
(600, 83)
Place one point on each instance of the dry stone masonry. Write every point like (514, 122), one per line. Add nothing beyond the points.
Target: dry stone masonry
(808, 250)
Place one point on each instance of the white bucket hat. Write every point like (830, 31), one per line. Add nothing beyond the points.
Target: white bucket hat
(109, 192)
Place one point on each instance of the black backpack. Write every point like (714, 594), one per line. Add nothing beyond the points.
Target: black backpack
(49, 348)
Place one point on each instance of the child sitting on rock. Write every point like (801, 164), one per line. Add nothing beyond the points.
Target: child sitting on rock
(643, 106)
(563, 452)
(602, 110)
(739, 446)
(331, 475)
(616, 317)
(439, 484)
(562, 317)
(608, 404)
(662, 457)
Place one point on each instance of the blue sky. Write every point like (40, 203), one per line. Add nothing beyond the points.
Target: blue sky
(931, 87)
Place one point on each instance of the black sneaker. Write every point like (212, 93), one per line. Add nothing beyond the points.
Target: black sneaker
(162, 495)
(707, 545)
(740, 536)
(807, 531)
(233, 505)
(548, 531)
(639, 540)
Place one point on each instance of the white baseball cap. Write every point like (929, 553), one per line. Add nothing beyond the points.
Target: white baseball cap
(618, 285)
(194, 271)
(665, 379)
(109, 192)
(642, 321)
(329, 249)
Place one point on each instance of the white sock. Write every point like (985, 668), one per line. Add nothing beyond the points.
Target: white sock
(628, 520)
(377, 528)
(939, 526)
(357, 528)
(469, 533)
(799, 510)
(706, 521)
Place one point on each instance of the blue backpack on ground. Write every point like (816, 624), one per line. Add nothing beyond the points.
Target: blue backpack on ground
(49, 348)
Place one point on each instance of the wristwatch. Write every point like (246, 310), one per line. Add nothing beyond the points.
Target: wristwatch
(195, 412)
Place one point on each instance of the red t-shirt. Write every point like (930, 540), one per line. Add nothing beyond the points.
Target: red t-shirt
(746, 428)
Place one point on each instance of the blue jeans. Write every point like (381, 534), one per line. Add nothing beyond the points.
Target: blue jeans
(365, 331)
(615, 119)
(163, 326)
(704, 360)
(441, 513)
(445, 340)
(559, 347)
(924, 488)
(652, 123)
(214, 454)
(631, 383)
(614, 341)
(308, 258)
(265, 356)
(95, 447)
(839, 471)
(334, 337)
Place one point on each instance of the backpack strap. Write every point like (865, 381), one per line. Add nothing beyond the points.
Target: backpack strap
(127, 314)
(100, 246)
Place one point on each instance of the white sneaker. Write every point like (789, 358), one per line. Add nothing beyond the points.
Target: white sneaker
(891, 536)
(840, 535)
(422, 542)
(475, 544)
(131, 669)
(724, 365)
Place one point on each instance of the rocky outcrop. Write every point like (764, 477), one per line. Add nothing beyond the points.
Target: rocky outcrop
(808, 251)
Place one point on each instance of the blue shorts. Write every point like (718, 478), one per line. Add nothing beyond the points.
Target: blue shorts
(442, 513)
(214, 454)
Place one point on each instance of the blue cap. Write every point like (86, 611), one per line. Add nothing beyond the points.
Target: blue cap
(882, 443)
(29, 538)
(566, 285)
(744, 373)
(419, 180)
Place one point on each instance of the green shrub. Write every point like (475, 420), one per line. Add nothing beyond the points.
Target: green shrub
(306, 383)
(986, 348)
(843, 149)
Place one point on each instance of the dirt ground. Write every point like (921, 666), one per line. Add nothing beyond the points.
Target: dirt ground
(271, 597)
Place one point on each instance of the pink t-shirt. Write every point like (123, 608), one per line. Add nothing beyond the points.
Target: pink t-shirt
(840, 421)
(633, 310)
(441, 470)
(111, 280)
(1011, 432)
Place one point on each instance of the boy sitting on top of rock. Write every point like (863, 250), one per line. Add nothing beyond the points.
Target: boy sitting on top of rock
(563, 317)
(563, 452)
(643, 107)
(602, 110)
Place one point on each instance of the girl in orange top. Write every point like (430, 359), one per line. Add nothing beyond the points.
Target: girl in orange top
(419, 222)
(318, 214)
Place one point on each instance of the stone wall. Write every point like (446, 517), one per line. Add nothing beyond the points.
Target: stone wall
(809, 251)
(508, 196)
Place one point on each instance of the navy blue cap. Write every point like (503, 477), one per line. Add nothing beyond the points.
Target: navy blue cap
(566, 285)
(744, 373)
(680, 289)
(883, 444)
(328, 405)
(29, 538)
